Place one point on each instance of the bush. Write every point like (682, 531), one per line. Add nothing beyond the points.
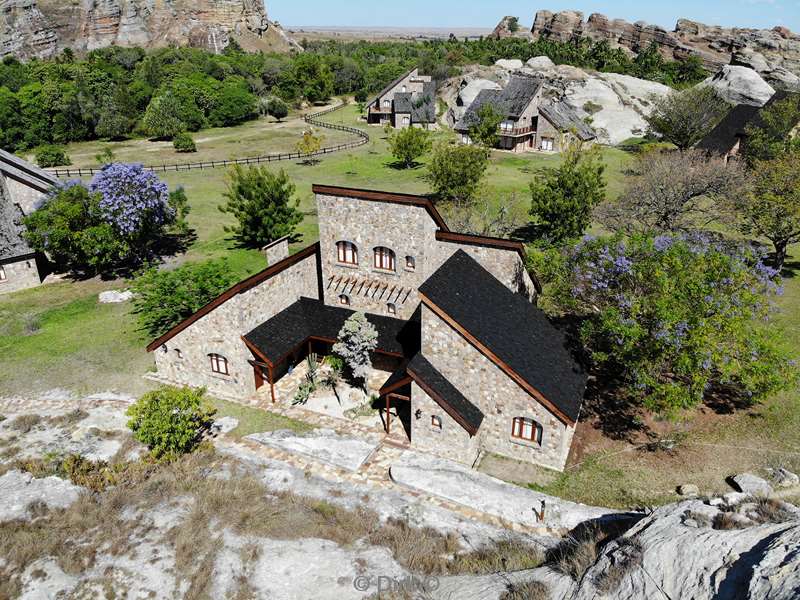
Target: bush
(408, 144)
(170, 420)
(52, 156)
(165, 298)
(162, 119)
(184, 143)
(277, 108)
(263, 203)
(455, 172)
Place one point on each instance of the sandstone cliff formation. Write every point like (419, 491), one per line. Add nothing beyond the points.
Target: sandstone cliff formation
(774, 53)
(42, 28)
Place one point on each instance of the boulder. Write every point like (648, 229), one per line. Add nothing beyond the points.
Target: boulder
(115, 296)
(510, 64)
(224, 425)
(472, 88)
(688, 489)
(740, 85)
(18, 490)
(784, 478)
(541, 63)
(747, 483)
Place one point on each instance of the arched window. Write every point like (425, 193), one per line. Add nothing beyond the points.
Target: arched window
(526, 429)
(387, 103)
(347, 253)
(384, 259)
(344, 299)
(406, 120)
(2, 274)
(219, 364)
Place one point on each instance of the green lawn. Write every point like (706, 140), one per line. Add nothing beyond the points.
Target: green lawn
(254, 420)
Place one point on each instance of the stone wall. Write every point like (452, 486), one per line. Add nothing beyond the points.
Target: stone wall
(183, 360)
(451, 441)
(408, 231)
(500, 399)
(20, 274)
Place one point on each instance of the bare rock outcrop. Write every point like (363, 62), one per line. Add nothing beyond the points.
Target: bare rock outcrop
(740, 85)
(41, 28)
(716, 46)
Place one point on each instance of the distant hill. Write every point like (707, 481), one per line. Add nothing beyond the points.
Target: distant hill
(42, 28)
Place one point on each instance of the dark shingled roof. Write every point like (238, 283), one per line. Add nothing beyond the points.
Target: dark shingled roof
(280, 335)
(564, 118)
(424, 106)
(510, 102)
(510, 327)
(28, 173)
(402, 102)
(445, 394)
(724, 136)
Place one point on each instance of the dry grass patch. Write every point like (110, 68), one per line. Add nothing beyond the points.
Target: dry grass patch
(577, 552)
(529, 590)
(625, 558)
(25, 423)
(67, 419)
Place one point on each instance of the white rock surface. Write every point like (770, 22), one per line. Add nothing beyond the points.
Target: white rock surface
(19, 489)
(321, 444)
(541, 63)
(747, 483)
(115, 296)
(685, 561)
(688, 489)
(740, 85)
(471, 90)
(510, 64)
(777, 574)
(784, 478)
(458, 483)
(224, 425)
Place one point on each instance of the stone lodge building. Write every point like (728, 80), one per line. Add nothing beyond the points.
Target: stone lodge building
(22, 188)
(408, 101)
(471, 364)
(531, 122)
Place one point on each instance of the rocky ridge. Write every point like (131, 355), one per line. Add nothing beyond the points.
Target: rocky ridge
(774, 53)
(42, 28)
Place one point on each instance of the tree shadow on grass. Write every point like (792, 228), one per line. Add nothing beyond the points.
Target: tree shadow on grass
(399, 165)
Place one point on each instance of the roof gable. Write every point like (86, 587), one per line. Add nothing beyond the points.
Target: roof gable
(564, 118)
(510, 102)
(509, 330)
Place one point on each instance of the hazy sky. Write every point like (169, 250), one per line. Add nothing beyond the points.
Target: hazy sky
(486, 13)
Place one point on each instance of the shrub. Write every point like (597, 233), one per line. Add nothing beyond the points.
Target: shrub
(165, 298)
(455, 172)
(51, 155)
(486, 131)
(171, 421)
(24, 423)
(277, 108)
(263, 203)
(183, 142)
(408, 144)
(162, 119)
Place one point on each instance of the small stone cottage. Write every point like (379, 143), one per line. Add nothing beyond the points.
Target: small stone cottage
(471, 364)
(409, 101)
(531, 122)
(22, 188)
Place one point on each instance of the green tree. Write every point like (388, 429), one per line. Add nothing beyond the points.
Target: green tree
(676, 318)
(486, 131)
(162, 119)
(357, 339)
(773, 134)
(309, 144)
(277, 108)
(234, 104)
(51, 155)
(183, 142)
(772, 207)
(262, 203)
(11, 131)
(456, 171)
(170, 420)
(409, 144)
(165, 298)
(113, 123)
(179, 204)
(70, 231)
(313, 77)
(684, 118)
(563, 198)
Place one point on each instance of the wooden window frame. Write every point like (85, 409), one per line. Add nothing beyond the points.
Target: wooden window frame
(384, 256)
(342, 248)
(219, 364)
(518, 430)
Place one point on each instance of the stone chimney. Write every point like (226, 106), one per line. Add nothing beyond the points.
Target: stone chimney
(276, 251)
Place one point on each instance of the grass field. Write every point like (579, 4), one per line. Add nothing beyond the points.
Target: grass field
(59, 336)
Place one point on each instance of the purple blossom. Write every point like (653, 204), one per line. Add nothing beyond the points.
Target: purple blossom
(663, 242)
(131, 197)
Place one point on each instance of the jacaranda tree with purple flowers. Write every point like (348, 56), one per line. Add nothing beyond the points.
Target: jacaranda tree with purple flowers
(677, 318)
(115, 222)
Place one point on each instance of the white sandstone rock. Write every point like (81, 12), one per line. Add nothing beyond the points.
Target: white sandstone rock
(541, 63)
(116, 296)
(740, 85)
(510, 64)
(751, 484)
(19, 489)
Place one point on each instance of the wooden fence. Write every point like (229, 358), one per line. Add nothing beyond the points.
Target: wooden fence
(311, 119)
